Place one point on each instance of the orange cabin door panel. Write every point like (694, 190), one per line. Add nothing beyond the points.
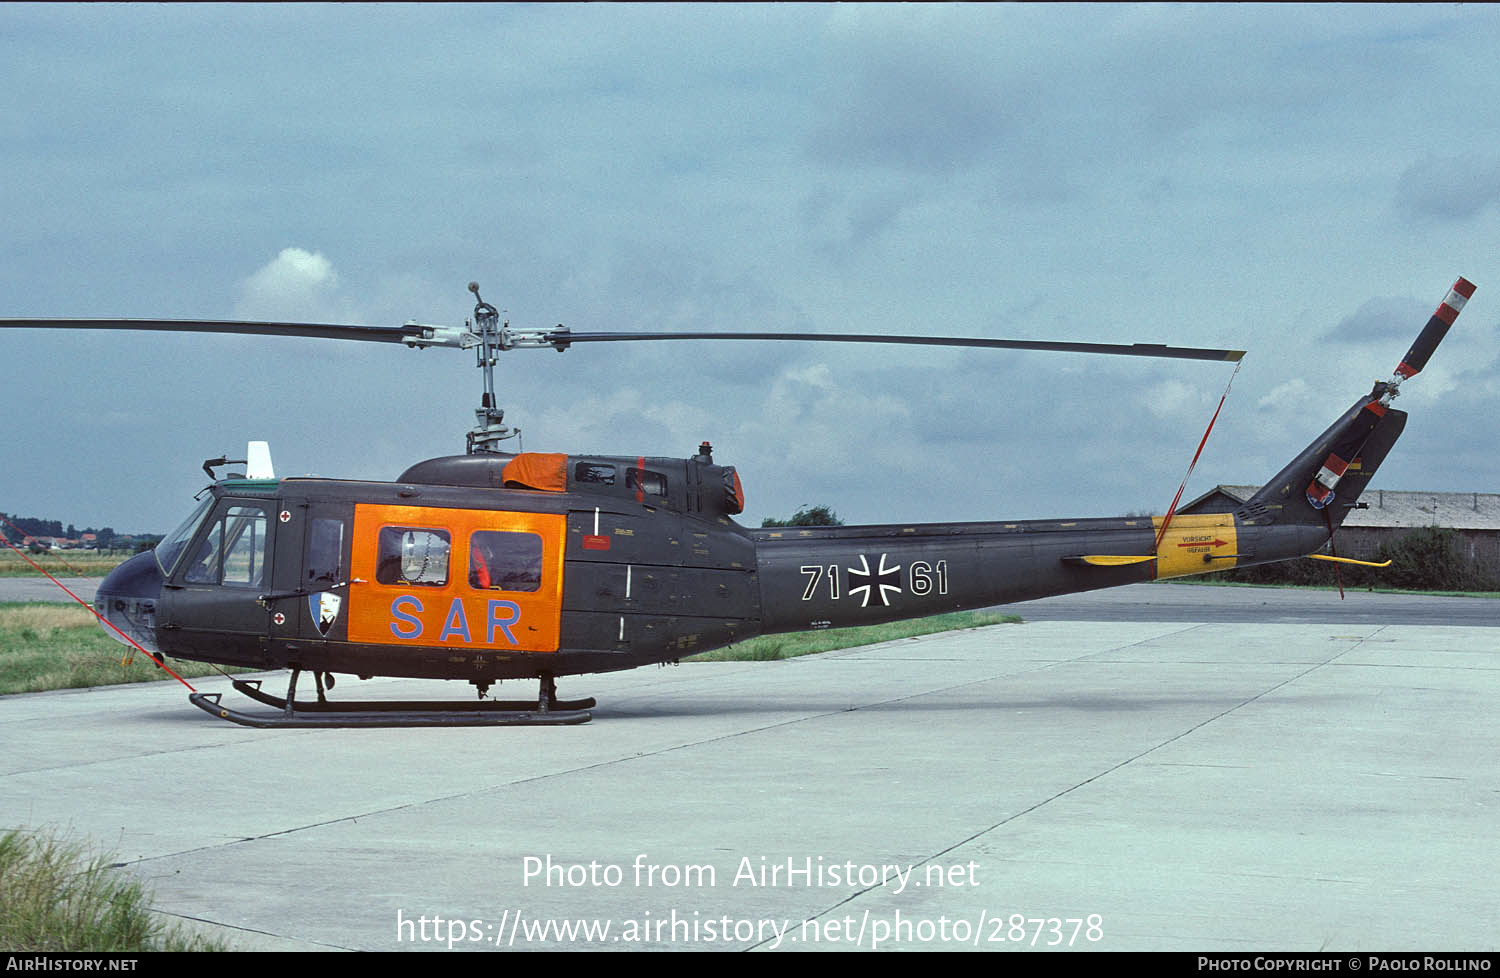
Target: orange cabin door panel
(464, 578)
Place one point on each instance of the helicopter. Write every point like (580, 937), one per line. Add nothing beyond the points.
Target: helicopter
(494, 565)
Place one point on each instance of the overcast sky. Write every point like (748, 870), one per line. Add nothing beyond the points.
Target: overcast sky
(1304, 183)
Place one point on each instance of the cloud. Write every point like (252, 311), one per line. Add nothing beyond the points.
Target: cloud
(913, 117)
(1451, 188)
(1294, 397)
(839, 222)
(297, 285)
(1173, 400)
(1381, 317)
(913, 91)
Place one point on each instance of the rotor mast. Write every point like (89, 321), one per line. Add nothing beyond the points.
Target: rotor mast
(489, 429)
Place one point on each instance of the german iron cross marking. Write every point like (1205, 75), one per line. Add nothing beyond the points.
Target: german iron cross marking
(891, 574)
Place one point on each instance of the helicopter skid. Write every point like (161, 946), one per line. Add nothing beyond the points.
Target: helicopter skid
(395, 713)
(251, 688)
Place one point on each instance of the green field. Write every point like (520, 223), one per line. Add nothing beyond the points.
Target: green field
(61, 646)
(62, 563)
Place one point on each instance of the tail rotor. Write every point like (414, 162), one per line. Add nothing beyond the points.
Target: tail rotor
(1320, 491)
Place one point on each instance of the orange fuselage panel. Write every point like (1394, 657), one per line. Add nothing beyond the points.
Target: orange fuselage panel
(453, 606)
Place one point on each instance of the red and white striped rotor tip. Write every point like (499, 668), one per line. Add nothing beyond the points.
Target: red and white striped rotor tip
(1453, 304)
(1437, 327)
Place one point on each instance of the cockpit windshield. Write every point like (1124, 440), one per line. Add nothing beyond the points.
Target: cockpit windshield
(171, 546)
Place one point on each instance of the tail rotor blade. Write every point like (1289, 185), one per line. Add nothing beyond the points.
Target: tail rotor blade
(1436, 328)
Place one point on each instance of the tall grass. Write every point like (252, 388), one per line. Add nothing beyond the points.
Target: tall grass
(62, 646)
(57, 895)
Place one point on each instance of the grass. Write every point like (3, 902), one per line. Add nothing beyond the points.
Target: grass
(57, 895)
(65, 563)
(62, 646)
(792, 644)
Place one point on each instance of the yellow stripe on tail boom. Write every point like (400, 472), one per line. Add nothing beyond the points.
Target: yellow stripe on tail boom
(1113, 560)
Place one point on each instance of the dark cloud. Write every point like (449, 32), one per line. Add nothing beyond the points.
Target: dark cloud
(1382, 318)
(840, 222)
(924, 117)
(1452, 188)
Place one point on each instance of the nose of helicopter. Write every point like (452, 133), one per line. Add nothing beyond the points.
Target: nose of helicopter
(127, 599)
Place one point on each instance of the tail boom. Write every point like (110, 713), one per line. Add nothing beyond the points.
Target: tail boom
(855, 575)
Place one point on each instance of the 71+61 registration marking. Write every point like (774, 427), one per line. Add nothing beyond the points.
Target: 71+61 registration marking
(923, 579)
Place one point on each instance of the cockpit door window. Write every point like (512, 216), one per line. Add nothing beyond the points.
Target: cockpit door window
(233, 550)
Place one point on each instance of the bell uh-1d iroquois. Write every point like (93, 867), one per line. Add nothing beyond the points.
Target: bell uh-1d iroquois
(490, 565)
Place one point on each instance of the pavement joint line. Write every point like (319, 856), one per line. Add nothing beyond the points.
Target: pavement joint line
(616, 760)
(1188, 627)
(1334, 644)
(1087, 781)
(113, 760)
(587, 767)
(1402, 665)
(539, 777)
(249, 930)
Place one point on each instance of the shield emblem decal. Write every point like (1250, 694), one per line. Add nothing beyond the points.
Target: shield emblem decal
(324, 608)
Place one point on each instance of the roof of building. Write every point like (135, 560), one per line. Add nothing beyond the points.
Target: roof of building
(1402, 508)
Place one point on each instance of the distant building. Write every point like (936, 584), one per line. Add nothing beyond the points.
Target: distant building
(1389, 515)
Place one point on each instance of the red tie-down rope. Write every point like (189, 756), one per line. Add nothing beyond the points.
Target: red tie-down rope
(105, 621)
(1193, 464)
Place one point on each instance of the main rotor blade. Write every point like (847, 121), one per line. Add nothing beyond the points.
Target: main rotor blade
(329, 331)
(414, 334)
(1119, 349)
